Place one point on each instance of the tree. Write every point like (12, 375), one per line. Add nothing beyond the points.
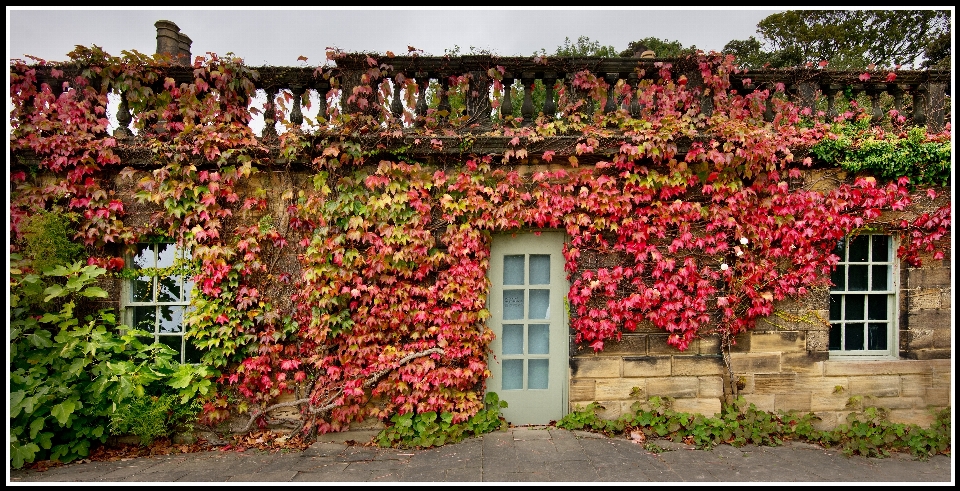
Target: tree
(848, 39)
(661, 47)
(583, 47)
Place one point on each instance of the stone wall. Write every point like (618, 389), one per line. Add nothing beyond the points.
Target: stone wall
(784, 363)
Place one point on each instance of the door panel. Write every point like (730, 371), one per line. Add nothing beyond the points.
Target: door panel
(526, 303)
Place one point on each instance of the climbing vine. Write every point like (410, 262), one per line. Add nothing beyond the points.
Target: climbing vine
(359, 282)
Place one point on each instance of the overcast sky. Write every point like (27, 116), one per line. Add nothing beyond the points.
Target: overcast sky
(279, 37)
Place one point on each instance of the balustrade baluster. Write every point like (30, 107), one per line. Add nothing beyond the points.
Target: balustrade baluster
(526, 110)
(506, 105)
(634, 107)
(323, 88)
(807, 93)
(611, 104)
(875, 111)
(831, 91)
(270, 114)
(396, 107)
(920, 97)
(444, 96)
(296, 117)
(549, 106)
(423, 80)
(123, 118)
(897, 91)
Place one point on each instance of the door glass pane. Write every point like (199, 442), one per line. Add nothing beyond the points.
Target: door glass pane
(512, 374)
(539, 371)
(881, 278)
(539, 269)
(171, 318)
(853, 309)
(513, 304)
(857, 278)
(835, 335)
(881, 244)
(859, 247)
(853, 337)
(877, 336)
(539, 304)
(877, 307)
(538, 339)
(513, 270)
(838, 278)
(513, 339)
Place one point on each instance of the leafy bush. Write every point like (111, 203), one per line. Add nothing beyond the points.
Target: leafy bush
(152, 417)
(430, 429)
(68, 376)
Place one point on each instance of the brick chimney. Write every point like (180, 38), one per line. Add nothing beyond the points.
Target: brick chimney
(172, 42)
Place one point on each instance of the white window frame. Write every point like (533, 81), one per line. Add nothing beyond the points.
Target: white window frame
(130, 304)
(840, 295)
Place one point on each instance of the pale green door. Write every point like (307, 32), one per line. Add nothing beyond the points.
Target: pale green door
(527, 313)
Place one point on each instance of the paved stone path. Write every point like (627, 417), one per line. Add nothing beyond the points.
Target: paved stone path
(529, 454)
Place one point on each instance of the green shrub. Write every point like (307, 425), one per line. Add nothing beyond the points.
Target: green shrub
(866, 431)
(152, 417)
(68, 376)
(430, 429)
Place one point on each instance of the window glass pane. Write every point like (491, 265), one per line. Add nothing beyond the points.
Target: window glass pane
(174, 342)
(142, 289)
(881, 248)
(857, 276)
(841, 249)
(859, 248)
(168, 289)
(835, 336)
(853, 310)
(853, 337)
(836, 302)
(171, 318)
(877, 307)
(540, 269)
(538, 339)
(513, 304)
(513, 270)
(193, 354)
(166, 255)
(513, 339)
(877, 336)
(838, 278)
(144, 318)
(881, 278)
(187, 287)
(539, 304)
(144, 257)
(512, 374)
(539, 373)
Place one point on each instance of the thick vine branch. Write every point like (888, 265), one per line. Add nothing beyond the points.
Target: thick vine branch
(331, 401)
